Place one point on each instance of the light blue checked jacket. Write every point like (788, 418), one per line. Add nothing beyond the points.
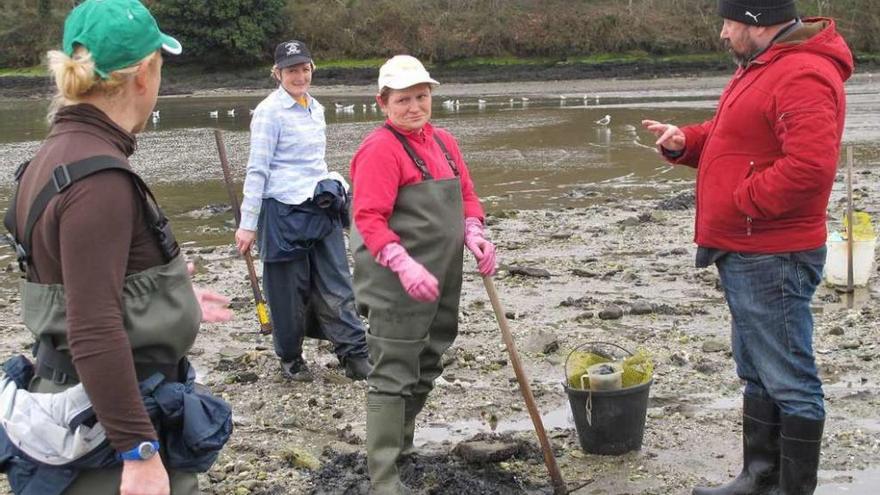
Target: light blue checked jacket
(286, 159)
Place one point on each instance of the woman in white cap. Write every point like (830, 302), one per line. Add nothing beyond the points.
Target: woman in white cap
(414, 210)
(106, 291)
(305, 268)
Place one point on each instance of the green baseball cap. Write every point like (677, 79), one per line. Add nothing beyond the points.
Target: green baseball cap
(118, 33)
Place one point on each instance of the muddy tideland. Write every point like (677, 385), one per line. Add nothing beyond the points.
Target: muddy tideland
(620, 273)
(620, 270)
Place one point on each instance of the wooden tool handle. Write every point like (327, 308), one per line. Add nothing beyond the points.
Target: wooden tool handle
(559, 487)
(262, 314)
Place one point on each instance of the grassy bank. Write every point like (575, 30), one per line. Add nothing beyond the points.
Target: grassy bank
(183, 79)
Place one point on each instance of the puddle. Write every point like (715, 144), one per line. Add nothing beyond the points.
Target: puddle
(461, 430)
(865, 482)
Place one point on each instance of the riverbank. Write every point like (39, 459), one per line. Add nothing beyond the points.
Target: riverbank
(183, 80)
(190, 80)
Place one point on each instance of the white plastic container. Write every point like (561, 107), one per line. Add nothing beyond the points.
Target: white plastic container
(605, 376)
(863, 262)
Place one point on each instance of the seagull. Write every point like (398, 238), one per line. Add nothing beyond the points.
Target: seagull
(231, 113)
(250, 111)
(604, 120)
(365, 108)
(481, 103)
(339, 107)
(213, 114)
(525, 99)
(373, 106)
(156, 115)
(562, 97)
(348, 108)
(597, 99)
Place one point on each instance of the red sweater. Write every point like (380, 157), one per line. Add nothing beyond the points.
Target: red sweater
(381, 167)
(767, 159)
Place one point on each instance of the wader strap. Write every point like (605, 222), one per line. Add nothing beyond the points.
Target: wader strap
(62, 177)
(57, 366)
(10, 219)
(420, 164)
(448, 155)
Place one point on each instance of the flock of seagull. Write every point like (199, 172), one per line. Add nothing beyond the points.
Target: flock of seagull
(215, 114)
(449, 105)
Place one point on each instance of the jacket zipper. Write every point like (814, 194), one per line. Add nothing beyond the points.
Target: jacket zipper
(749, 218)
(701, 171)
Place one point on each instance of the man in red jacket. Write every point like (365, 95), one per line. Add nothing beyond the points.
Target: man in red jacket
(765, 165)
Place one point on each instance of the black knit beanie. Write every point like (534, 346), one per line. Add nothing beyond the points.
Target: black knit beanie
(758, 12)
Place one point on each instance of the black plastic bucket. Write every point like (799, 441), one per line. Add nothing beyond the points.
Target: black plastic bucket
(609, 422)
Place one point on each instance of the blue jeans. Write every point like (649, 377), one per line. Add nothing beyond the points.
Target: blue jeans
(313, 297)
(772, 326)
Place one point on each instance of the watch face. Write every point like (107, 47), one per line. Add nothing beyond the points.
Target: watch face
(146, 450)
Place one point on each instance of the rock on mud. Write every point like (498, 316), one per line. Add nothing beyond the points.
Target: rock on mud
(527, 271)
(611, 313)
(484, 451)
(681, 201)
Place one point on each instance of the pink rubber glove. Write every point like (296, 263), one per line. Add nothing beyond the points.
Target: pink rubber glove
(484, 251)
(415, 278)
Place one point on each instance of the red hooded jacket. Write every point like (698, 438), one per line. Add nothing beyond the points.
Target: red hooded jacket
(767, 159)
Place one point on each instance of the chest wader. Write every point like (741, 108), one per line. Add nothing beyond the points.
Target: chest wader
(161, 314)
(407, 338)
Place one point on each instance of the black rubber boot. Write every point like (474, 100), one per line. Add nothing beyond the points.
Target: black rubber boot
(801, 443)
(761, 431)
(357, 368)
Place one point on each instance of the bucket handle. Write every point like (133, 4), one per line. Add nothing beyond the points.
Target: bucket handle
(579, 346)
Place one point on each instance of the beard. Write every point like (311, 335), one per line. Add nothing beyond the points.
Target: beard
(744, 56)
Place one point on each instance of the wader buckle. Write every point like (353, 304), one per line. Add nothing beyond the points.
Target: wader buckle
(61, 178)
(59, 377)
(20, 254)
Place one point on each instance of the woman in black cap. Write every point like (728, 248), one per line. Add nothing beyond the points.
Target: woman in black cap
(299, 209)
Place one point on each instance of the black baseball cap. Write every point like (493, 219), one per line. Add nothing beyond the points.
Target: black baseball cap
(291, 53)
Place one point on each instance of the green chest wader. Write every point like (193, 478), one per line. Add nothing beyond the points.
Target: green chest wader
(407, 338)
(161, 317)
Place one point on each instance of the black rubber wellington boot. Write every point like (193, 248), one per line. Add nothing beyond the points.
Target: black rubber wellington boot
(801, 442)
(357, 368)
(761, 451)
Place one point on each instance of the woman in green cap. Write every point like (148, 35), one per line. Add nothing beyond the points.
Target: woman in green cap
(106, 293)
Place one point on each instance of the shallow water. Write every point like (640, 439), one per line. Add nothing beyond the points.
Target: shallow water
(545, 152)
